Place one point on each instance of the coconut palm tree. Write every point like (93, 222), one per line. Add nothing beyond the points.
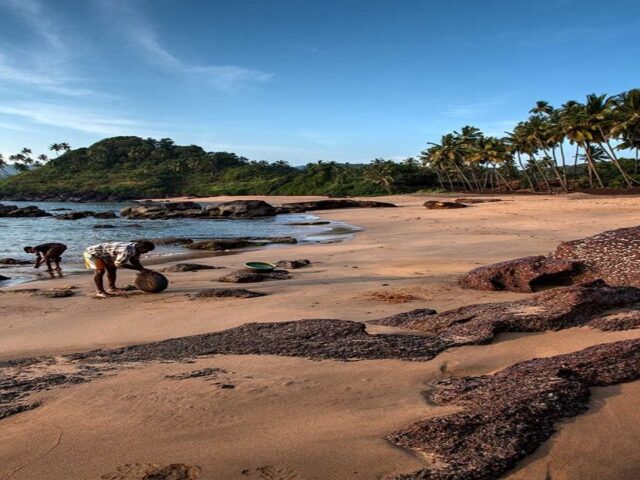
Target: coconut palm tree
(55, 147)
(627, 126)
(65, 146)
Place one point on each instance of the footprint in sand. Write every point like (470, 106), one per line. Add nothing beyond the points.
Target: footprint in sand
(152, 471)
(269, 472)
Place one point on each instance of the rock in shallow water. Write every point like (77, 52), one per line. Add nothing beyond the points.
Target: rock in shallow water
(15, 211)
(437, 205)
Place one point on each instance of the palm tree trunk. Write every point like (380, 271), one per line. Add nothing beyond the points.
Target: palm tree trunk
(575, 166)
(542, 173)
(506, 183)
(592, 164)
(524, 170)
(562, 181)
(564, 165)
(614, 158)
(463, 177)
(439, 177)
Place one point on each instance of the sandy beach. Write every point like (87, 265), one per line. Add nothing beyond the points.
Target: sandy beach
(284, 418)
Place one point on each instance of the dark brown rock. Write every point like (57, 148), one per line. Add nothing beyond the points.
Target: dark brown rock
(293, 264)
(168, 240)
(526, 274)
(332, 204)
(405, 318)
(105, 215)
(241, 209)
(189, 267)
(220, 244)
(14, 261)
(75, 215)
(555, 309)
(228, 293)
(104, 225)
(613, 256)
(508, 415)
(159, 211)
(437, 205)
(249, 276)
(3, 278)
(283, 240)
(175, 471)
(15, 211)
(310, 224)
(477, 200)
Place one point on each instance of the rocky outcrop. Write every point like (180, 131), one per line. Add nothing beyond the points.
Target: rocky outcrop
(249, 276)
(220, 244)
(231, 210)
(332, 204)
(438, 205)
(405, 318)
(189, 267)
(590, 304)
(241, 209)
(526, 274)
(293, 264)
(310, 224)
(283, 240)
(3, 278)
(168, 240)
(79, 214)
(15, 211)
(507, 415)
(613, 256)
(228, 293)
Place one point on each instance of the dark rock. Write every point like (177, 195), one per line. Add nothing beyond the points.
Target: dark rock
(437, 205)
(159, 211)
(168, 240)
(56, 293)
(527, 274)
(228, 293)
(3, 278)
(189, 267)
(249, 276)
(14, 211)
(284, 240)
(405, 318)
(613, 256)
(104, 225)
(477, 200)
(105, 215)
(310, 224)
(241, 209)
(220, 244)
(205, 372)
(75, 215)
(586, 304)
(293, 264)
(60, 209)
(508, 415)
(13, 261)
(299, 207)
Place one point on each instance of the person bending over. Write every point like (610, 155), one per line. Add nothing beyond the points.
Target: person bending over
(108, 257)
(47, 253)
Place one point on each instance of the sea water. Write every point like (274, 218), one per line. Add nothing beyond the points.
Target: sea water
(16, 233)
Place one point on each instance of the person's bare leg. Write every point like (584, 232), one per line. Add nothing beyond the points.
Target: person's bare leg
(98, 278)
(57, 260)
(47, 260)
(111, 279)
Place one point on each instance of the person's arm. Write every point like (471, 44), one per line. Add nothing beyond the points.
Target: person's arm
(39, 260)
(134, 264)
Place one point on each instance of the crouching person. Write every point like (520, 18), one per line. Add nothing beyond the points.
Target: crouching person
(47, 253)
(108, 257)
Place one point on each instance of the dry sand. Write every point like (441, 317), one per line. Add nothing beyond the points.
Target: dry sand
(292, 418)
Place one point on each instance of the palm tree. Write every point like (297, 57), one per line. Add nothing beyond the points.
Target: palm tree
(65, 146)
(627, 126)
(55, 147)
(42, 159)
(380, 172)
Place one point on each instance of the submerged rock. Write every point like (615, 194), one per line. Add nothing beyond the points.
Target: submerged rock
(526, 274)
(438, 205)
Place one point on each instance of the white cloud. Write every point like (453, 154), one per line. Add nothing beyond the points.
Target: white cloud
(73, 118)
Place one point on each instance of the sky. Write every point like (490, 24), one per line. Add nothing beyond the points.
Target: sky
(301, 80)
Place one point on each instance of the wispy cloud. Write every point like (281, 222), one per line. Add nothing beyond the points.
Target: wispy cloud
(471, 110)
(41, 64)
(74, 118)
(227, 78)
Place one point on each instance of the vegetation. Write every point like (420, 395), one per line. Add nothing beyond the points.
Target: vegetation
(576, 146)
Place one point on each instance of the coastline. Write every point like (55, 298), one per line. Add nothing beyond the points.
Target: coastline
(292, 414)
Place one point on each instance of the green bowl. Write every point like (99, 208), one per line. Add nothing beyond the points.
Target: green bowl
(260, 266)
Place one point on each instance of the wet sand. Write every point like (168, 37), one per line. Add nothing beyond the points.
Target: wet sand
(291, 418)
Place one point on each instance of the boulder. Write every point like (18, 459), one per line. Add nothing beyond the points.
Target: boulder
(75, 215)
(160, 211)
(332, 204)
(105, 215)
(241, 209)
(104, 225)
(613, 256)
(310, 224)
(404, 318)
(15, 211)
(284, 240)
(526, 274)
(437, 205)
(189, 267)
(249, 276)
(3, 278)
(220, 244)
(167, 240)
(228, 293)
(293, 264)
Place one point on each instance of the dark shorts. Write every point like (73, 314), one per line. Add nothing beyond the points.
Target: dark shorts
(55, 252)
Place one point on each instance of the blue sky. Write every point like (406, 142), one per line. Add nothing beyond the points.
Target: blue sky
(300, 80)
